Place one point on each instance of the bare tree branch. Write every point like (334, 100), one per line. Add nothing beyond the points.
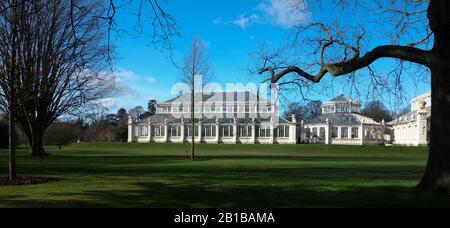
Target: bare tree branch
(356, 63)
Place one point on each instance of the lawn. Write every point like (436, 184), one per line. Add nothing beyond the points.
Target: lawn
(148, 175)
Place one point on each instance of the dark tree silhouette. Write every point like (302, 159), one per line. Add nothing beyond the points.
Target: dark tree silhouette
(55, 64)
(304, 112)
(151, 107)
(62, 134)
(340, 52)
(377, 111)
(136, 112)
(49, 58)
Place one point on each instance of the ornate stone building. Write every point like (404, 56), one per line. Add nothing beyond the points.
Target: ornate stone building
(341, 123)
(413, 128)
(243, 118)
(226, 117)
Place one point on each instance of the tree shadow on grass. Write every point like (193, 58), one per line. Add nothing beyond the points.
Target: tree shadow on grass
(141, 165)
(158, 195)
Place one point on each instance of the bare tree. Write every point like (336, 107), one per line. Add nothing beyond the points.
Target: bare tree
(339, 50)
(195, 72)
(49, 54)
(164, 27)
(306, 112)
(52, 66)
(377, 111)
(136, 112)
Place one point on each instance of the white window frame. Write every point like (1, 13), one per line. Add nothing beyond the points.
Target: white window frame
(230, 130)
(345, 134)
(356, 135)
(248, 130)
(143, 131)
(315, 132)
(212, 131)
(335, 132)
(187, 132)
(283, 131)
(265, 131)
(177, 131)
(159, 131)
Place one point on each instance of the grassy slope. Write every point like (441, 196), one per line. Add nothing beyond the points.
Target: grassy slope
(139, 175)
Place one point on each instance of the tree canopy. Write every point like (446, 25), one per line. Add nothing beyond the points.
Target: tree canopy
(377, 111)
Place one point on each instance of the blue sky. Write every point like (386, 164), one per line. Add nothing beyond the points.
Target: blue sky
(231, 29)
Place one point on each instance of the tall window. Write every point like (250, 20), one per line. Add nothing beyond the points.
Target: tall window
(322, 133)
(355, 133)
(264, 131)
(315, 133)
(334, 132)
(245, 131)
(344, 133)
(283, 131)
(226, 131)
(175, 131)
(230, 108)
(209, 131)
(159, 131)
(188, 131)
(143, 131)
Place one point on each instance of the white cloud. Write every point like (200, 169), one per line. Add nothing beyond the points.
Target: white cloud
(125, 91)
(126, 75)
(108, 103)
(245, 21)
(123, 76)
(242, 21)
(285, 13)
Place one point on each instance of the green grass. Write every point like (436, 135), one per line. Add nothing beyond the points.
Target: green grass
(149, 175)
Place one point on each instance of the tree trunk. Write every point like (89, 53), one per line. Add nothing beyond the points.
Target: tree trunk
(12, 147)
(36, 144)
(437, 174)
(193, 121)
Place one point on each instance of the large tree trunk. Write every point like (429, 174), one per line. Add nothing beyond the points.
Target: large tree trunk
(35, 136)
(36, 143)
(437, 174)
(12, 147)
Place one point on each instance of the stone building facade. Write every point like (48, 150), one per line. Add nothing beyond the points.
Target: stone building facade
(226, 117)
(413, 128)
(341, 123)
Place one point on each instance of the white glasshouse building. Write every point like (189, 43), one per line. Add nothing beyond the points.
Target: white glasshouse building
(341, 123)
(244, 118)
(225, 117)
